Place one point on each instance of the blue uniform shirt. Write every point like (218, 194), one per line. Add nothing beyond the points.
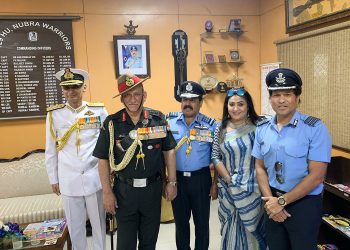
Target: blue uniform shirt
(133, 63)
(295, 144)
(201, 150)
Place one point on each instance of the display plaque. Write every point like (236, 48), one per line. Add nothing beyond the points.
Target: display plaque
(31, 52)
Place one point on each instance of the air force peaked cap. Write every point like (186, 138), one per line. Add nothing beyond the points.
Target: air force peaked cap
(282, 78)
(189, 89)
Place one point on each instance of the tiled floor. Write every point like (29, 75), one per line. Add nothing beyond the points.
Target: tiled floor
(166, 238)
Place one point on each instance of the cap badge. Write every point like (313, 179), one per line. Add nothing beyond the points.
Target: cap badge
(189, 87)
(129, 81)
(280, 78)
(68, 75)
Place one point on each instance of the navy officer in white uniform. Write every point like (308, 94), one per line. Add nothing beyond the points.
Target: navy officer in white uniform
(72, 130)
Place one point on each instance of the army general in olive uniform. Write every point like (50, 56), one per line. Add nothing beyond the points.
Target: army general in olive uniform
(135, 144)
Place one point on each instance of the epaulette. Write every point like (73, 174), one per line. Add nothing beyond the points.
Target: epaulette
(208, 120)
(153, 112)
(106, 121)
(54, 107)
(262, 120)
(311, 121)
(172, 115)
(95, 104)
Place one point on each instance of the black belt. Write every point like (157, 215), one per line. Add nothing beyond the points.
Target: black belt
(192, 173)
(139, 182)
(276, 193)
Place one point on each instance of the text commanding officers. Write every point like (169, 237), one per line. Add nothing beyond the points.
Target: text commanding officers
(135, 144)
(292, 151)
(193, 133)
(72, 130)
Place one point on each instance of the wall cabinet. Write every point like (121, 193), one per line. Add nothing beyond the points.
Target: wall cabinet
(336, 203)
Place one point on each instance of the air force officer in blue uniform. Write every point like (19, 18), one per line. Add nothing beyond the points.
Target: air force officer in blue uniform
(193, 133)
(292, 151)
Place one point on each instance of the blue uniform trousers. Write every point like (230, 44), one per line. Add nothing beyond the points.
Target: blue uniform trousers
(192, 196)
(300, 231)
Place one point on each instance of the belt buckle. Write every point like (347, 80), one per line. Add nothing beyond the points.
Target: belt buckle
(187, 174)
(139, 182)
(278, 193)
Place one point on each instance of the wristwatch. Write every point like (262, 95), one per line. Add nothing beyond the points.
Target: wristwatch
(281, 201)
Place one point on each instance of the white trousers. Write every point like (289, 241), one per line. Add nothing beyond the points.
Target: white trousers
(77, 209)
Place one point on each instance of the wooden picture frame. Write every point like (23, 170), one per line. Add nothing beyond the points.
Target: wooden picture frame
(303, 14)
(234, 55)
(222, 58)
(235, 25)
(209, 58)
(131, 55)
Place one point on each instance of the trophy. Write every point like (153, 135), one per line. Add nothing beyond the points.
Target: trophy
(234, 82)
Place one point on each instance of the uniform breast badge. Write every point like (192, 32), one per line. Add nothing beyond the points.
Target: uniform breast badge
(89, 122)
(133, 134)
(89, 112)
(201, 135)
(150, 133)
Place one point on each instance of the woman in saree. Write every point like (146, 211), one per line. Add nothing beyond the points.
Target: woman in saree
(240, 203)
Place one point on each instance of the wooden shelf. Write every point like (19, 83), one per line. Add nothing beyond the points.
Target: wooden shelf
(236, 63)
(336, 229)
(337, 192)
(207, 35)
(336, 202)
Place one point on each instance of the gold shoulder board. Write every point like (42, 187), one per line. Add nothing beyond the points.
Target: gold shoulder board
(95, 104)
(54, 107)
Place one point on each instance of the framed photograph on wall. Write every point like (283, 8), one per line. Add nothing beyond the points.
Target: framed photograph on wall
(209, 58)
(222, 58)
(235, 25)
(234, 55)
(131, 55)
(303, 14)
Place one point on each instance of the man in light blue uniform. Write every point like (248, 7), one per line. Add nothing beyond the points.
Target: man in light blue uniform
(292, 151)
(193, 133)
(134, 61)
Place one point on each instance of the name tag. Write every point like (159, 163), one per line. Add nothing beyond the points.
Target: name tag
(139, 182)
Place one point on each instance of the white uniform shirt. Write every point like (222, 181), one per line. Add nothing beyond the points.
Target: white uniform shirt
(73, 167)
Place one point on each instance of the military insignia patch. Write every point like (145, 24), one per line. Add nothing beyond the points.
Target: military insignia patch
(311, 121)
(89, 112)
(68, 75)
